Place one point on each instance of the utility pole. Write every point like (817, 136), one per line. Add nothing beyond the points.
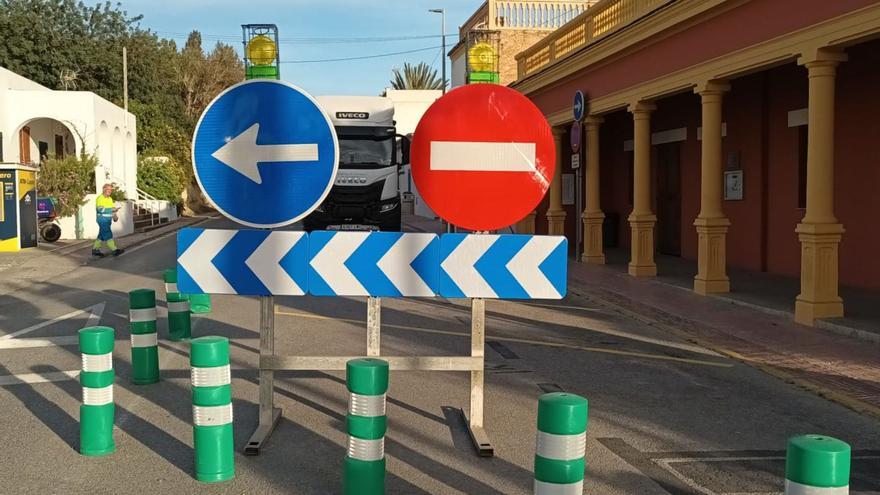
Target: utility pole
(125, 84)
(442, 13)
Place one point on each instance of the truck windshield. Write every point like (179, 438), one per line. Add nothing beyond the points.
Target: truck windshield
(366, 151)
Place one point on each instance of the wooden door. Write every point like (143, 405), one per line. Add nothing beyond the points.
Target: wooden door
(59, 146)
(24, 145)
(669, 199)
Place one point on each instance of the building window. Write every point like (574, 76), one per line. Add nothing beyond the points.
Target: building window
(802, 166)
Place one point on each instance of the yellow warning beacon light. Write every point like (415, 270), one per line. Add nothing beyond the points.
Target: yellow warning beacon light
(261, 58)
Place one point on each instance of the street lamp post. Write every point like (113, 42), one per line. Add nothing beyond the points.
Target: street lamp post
(442, 13)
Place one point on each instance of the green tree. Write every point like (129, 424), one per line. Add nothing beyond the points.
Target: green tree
(160, 177)
(420, 76)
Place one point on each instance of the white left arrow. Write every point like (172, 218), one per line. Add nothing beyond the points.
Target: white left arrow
(197, 261)
(242, 153)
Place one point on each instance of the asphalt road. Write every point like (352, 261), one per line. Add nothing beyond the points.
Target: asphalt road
(666, 417)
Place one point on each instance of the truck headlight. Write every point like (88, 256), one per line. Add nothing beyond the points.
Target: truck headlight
(388, 207)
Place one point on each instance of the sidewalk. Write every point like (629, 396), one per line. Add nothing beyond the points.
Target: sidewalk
(23, 268)
(840, 368)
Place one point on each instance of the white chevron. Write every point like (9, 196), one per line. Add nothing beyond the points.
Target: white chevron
(264, 262)
(196, 260)
(459, 265)
(397, 265)
(524, 267)
(329, 263)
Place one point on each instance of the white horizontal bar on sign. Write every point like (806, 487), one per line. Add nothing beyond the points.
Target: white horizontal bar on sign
(482, 157)
(398, 363)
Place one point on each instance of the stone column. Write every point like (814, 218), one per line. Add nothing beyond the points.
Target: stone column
(642, 218)
(527, 224)
(592, 215)
(711, 223)
(555, 213)
(819, 231)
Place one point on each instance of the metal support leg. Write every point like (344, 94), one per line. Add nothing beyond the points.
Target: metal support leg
(374, 325)
(475, 414)
(269, 414)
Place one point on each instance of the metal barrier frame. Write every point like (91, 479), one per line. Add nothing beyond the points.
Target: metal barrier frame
(270, 362)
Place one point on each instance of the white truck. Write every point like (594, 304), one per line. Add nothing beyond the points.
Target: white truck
(366, 195)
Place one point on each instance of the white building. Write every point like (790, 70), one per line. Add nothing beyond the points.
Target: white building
(409, 106)
(38, 123)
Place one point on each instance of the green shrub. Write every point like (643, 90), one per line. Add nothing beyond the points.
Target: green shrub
(161, 178)
(68, 180)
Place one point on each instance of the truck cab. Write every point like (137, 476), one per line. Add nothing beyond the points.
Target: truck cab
(366, 194)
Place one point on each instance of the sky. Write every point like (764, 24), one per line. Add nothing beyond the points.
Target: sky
(307, 27)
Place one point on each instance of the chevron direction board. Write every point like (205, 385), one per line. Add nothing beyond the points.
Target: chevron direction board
(503, 266)
(245, 262)
(379, 264)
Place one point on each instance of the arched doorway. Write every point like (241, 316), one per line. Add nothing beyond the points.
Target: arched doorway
(42, 138)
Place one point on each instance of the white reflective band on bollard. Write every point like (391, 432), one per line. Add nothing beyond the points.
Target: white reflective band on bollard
(211, 377)
(97, 362)
(561, 447)
(366, 450)
(170, 288)
(542, 488)
(366, 405)
(212, 415)
(142, 315)
(178, 307)
(792, 488)
(97, 396)
(144, 340)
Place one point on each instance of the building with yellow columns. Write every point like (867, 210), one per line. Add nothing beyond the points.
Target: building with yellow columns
(735, 133)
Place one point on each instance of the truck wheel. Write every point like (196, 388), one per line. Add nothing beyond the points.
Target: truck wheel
(50, 232)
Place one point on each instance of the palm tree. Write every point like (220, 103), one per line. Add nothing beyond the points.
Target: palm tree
(420, 76)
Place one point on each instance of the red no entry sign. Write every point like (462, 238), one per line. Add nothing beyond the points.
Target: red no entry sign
(483, 157)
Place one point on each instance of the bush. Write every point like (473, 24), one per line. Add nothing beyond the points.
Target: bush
(68, 180)
(162, 178)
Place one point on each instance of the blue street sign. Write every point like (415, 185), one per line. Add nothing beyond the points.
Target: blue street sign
(379, 264)
(580, 105)
(245, 262)
(503, 266)
(264, 153)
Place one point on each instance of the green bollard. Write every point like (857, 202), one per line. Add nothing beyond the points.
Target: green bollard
(170, 277)
(199, 303)
(144, 340)
(561, 444)
(212, 409)
(817, 465)
(367, 381)
(97, 410)
(179, 320)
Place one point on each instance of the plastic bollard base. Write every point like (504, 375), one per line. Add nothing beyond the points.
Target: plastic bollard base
(214, 453)
(363, 477)
(96, 430)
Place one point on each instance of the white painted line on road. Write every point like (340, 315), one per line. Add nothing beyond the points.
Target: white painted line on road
(482, 157)
(22, 378)
(66, 340)
(95, 313)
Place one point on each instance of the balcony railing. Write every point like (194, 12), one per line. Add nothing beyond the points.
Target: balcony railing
(525, 15)
(600, 20)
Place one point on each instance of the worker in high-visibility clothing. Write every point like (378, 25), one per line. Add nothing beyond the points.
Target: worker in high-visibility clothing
(106, 210)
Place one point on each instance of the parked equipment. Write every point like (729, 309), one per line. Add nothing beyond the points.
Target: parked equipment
(47, 219)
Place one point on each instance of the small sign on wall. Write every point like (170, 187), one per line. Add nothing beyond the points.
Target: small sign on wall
(575, 161)
(567, 189)
(733, 185)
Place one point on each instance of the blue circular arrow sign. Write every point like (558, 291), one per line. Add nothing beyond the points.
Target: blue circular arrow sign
(579, 106)
(264, 153)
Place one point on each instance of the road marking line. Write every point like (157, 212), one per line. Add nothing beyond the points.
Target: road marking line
(66, 340)
(95, 313)
(482, 156)
(55, 376)
(522, 341)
